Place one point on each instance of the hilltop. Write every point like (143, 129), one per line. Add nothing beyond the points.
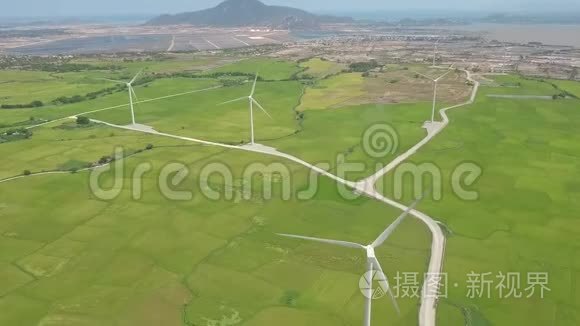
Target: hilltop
(236, 13)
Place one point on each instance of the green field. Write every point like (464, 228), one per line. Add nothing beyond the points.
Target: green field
(526, 217)
(71, 257)
(154, 260)
(319, 68)
(332, 92)
(269, 69)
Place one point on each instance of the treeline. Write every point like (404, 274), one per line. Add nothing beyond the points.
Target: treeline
(67, 99)
(89, 96)
(69, 67)
(15, 134)
(214, 75)
(59, 64)
(363, 66)
(33, 104)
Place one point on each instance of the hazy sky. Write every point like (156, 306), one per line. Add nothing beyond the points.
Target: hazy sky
(123, 7)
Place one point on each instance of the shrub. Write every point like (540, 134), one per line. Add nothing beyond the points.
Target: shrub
(83, 120)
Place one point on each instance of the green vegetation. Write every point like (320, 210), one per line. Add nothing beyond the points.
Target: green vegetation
(320, 68)
(11, 135)
(332, 92)
(525, 219)
(269, 69)
(54, 147)
(69, 257)
(363, 66)
(83, 120)
(126, 261)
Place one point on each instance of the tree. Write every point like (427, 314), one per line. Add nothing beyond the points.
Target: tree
(83, 120)
(26, 172)
(574, 73)
(149, 147)
(104, 160)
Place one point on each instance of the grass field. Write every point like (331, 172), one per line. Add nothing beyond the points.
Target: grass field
(390, 86)
(269, 69)
(64, 146)
(71, 258)
(152, 261)
(319, 68)
(332, 92)
(43, 86)
(328, 134)
(47, 86)
(526, 217)
(200, 114)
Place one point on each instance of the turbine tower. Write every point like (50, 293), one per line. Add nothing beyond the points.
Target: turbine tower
(372, 263)
(130, 90)
(435, 51)
(251, 101)
(435, 84)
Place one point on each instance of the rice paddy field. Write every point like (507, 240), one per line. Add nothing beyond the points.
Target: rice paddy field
(525, 219)
(71, 257)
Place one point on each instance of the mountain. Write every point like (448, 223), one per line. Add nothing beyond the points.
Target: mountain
(236, 13)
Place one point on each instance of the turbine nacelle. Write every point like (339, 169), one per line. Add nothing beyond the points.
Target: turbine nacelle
(370, 251)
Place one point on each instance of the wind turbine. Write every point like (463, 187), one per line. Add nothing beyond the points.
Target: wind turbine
(435, 51)
(435, 83)
(372, 261)
(506, 58)
(131, 91)
(252, 101)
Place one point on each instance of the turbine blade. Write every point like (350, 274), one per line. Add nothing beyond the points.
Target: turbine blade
(112, 80)
(327, 241)
(424, 76)
(262, 108)
(136, 76)
(384, 282)
(389, 230)
(369, 294)
(236, 100)
(134, 95)
(254, 86)
(445, 74)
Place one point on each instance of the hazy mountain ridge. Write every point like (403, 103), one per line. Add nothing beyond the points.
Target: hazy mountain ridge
(234, 13)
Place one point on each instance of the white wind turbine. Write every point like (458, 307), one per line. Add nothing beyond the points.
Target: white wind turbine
(252, 101)
(435, 51)
(506, 58)
(372, 261)
(130, 90)
(435, 83)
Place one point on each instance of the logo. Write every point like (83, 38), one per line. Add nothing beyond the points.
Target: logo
(373, 285)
